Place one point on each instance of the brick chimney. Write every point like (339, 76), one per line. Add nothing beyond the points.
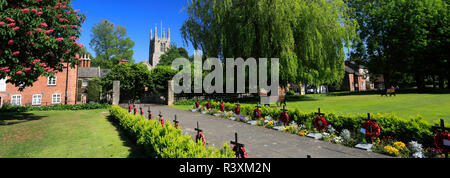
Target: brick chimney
(86, 61)
(123, 61)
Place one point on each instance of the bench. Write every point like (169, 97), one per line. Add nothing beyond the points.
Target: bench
(389, 92)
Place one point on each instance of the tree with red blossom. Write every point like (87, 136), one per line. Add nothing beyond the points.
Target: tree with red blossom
(37, 37)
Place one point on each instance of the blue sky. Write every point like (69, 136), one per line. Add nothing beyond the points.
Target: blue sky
(138, 17)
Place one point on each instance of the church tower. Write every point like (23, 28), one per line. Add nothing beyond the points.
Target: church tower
(158, 46)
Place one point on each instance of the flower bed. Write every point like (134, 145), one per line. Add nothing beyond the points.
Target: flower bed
(164, 142)
(345, 129)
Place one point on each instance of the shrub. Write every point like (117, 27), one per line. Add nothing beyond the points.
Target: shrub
(164, 142)
(290, 93)
(9, 108)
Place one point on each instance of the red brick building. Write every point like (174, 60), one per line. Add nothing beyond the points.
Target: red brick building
(45, 91)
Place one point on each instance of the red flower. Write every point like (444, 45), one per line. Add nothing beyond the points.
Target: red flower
(439, 141)
(34, 10)
(237, 110)
(72, 38)
(16, 28)
(44, 25)
(19, 72)
(10, 42)
(46, 37)
(320, 123)
(2, 24)
(284, 117)
(38, 30)
(9, 19)
(59, 15)
(16, 53)
(11, 25)
(59, 39)
(29, 33)
(375, 129)
(256, 113)
(26, 10)
(40, 13)
(48, 31)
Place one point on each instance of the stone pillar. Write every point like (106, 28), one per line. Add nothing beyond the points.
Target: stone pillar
(170, 94)
(116, 92)
(302, 89)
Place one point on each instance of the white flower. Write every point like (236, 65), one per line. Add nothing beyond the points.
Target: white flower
(418, 155)
(415, 147)
(337, 140)
(331, 129)
(345, 134)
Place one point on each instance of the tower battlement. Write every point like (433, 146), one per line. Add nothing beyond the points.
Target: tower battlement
(158, 45)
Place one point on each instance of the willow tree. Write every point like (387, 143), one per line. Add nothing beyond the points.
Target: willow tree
(308, 36)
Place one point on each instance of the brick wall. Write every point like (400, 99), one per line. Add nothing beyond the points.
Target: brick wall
(46, 91)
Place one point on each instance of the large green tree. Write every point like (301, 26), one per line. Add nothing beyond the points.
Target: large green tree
(133, 80)
(403, 38)
(37, 38)
(110, 44)
(307, 35)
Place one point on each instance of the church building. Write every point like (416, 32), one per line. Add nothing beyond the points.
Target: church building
(158, 46)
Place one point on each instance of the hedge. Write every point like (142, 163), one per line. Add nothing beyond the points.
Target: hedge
(413, 129)
(164, 142)
(9, 108)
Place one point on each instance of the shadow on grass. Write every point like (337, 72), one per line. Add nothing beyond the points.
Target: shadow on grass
(136, 151)
(12, 118)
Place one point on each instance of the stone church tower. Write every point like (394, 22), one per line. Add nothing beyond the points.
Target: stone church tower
(158, 45)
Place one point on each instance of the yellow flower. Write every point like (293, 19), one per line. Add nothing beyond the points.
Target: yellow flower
(391, 150)
(303, 132)
(399, 145)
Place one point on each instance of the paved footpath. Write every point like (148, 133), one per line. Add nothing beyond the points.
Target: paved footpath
(259, 142)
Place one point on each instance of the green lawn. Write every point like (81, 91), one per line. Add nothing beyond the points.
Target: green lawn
(62, 134)
(430, 106)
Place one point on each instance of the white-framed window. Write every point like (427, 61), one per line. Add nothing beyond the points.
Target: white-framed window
(37, 99)
(51, 81)
(16, 100)
(3, 85)
(85, 83)
(56, 98)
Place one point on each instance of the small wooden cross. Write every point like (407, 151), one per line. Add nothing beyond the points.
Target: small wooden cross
(441, 127)
(319, 113)
(198, 129)
(369, 119)
(175, 121)
(284, 108)
(235, 142)
(149, 114)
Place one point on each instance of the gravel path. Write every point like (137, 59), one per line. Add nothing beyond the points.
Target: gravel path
(259, 142)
